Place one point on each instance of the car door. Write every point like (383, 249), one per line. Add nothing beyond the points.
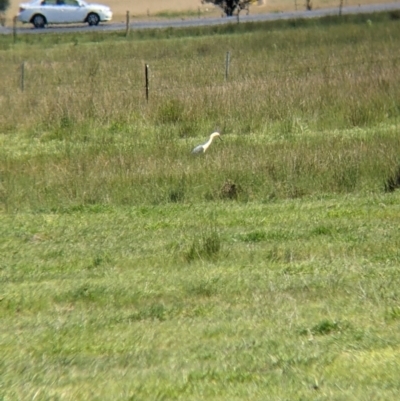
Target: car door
(73, 11)
(51, 10)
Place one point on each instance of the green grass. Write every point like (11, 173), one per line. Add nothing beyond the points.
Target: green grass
(106, 304)
(265, 269)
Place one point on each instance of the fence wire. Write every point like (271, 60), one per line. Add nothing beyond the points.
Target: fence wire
(128, 75)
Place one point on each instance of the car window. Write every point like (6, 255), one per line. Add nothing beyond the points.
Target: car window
(72, 3)
(48, 2)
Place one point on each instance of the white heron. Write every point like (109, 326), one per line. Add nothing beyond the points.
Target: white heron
(202, 148)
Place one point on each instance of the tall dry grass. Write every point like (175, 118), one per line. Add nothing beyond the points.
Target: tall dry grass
(309, 110)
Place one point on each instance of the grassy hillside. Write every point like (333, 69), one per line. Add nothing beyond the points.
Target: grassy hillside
(265, 269)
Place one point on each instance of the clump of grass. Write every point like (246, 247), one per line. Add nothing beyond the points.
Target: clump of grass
(229, 190)
(206, 246)
(393, 182)
(99, 260)
(394, 15)
(325, 327)
(176, 195)
(204, 288)
(254, 236)
(170, 112)
(85, 294)
(155, 311)
(393, 313)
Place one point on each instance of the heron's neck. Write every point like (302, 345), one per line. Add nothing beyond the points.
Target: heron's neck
(208, 143)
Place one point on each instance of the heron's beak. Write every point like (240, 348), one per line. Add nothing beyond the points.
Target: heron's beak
(220, 138)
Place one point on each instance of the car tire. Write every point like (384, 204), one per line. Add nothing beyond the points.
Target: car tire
(39, 21)
(93, 19)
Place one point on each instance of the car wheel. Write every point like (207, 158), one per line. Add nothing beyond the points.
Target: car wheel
(93, 19)
(39, 21)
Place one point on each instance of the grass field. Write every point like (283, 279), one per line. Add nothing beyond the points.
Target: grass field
(268, 268)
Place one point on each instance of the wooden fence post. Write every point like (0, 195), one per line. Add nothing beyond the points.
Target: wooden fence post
(15, 29)
(227, 61)
(127, 24)
(22, 76)
(146, 77)
(340, 7)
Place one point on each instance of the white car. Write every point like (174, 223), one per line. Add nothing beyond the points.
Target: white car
(43, 12)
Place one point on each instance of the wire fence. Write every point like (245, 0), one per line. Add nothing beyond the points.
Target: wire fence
(169, 88)
(127, 75)
(91, 84)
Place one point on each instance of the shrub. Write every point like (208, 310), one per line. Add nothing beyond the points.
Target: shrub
(4, 4)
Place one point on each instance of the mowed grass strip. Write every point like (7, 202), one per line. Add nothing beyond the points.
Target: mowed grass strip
(106, 304)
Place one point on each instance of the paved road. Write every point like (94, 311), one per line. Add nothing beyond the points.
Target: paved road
(207, 21)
